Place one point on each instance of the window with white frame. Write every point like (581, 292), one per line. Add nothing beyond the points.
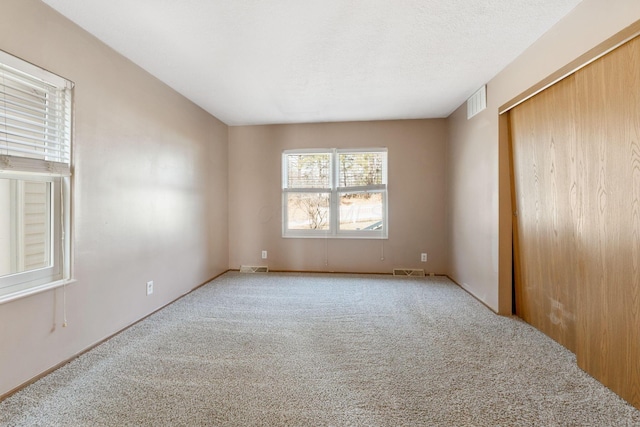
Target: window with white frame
(35, 170)
(335, 193)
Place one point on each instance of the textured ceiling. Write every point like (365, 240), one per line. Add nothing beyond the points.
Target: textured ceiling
(293, 61)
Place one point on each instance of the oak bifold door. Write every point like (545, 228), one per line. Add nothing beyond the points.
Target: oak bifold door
(576, 171)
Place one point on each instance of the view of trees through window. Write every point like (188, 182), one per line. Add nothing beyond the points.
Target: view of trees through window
(356, 196)
(360, 169)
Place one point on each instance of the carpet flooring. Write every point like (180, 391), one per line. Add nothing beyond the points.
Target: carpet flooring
(322, 350)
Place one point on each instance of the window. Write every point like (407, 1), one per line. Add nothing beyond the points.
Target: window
(35, 158)
(335, 193)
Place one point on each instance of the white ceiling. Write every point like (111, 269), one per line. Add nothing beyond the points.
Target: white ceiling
(296, 61)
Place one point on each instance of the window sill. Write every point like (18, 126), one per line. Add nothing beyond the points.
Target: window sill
(337, 236)
(12, 296)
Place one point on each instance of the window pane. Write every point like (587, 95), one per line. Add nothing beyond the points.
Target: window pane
(308, 170)
(361, 211)
(25, 225)
(360, 169)
(308, 211)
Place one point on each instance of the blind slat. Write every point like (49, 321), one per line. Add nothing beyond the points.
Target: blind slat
(26, 151)
(41, 124)
(24, 79)
(34, 129)
(46, 110)
(38, 138)
(20, 89)
(46, 105)
(62, 157)
(31, 98)
(50, 141)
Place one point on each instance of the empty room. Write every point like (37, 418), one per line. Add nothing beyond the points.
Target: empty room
(319, 213)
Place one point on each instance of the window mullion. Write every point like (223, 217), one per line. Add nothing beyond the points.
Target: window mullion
(334, 200)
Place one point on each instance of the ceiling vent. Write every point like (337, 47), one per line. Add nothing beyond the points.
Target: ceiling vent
(254, 269)
(413, 272)
(477, 102)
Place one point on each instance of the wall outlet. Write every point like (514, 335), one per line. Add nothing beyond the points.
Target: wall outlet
(264, 254)
(423, 257)
(150, 287)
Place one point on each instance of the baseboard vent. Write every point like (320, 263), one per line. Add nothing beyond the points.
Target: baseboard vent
(414, 272)
(254, 269)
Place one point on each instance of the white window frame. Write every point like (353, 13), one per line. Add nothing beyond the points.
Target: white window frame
(50, 163)
(334, 192)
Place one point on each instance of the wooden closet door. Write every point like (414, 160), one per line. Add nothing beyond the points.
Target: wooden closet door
(548, 205)
(608, 345)
(576, 158)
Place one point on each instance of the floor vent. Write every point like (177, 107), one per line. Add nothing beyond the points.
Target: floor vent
(414, 272)
(253, 269)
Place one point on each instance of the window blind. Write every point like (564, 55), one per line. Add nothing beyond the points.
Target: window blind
(308, 170)
(35, 118)
(361, 169)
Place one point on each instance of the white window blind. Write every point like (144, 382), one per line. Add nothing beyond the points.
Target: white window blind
(35, 119)
(361, 169)
(308, 171)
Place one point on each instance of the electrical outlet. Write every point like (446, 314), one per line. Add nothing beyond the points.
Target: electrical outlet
(423, 257)
(264, 254)
(150, 287)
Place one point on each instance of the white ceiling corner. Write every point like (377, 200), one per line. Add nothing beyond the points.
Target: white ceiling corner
(297, 61)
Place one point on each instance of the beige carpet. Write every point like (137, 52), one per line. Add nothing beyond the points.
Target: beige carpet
(322, 350)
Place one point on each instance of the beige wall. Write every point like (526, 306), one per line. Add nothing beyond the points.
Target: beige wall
(417, 197)
(479, 196)
(150, 200)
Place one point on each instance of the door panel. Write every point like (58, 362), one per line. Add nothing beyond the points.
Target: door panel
(546, 171)
(609, 300)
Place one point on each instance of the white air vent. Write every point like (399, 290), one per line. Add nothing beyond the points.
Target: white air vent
(477, 102)
(415, 272)
(253, 269)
